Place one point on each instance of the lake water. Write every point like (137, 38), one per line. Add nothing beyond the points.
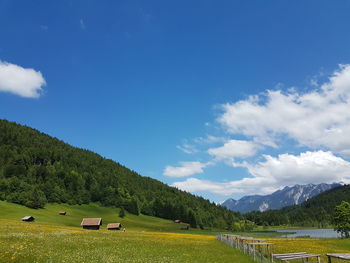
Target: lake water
(317, 233)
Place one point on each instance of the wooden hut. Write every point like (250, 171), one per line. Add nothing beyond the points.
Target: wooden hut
(62, 213)
(28, 219)
(91, 223)
(114, 226)
(184, 228)
(177, 221)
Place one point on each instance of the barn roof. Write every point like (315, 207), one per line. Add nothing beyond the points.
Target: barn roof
(114, 225)
(27, 217)
(91, 222)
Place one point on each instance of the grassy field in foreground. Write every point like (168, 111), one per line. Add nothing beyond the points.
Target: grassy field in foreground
(27, 243)
(54, 238)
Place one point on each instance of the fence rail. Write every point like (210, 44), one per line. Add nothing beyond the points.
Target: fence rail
(258, 249)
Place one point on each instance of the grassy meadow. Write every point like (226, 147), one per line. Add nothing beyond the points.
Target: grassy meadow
(75, 213)
(28, 243)
(54, 238)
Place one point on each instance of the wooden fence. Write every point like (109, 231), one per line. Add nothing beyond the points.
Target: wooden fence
(260, 250)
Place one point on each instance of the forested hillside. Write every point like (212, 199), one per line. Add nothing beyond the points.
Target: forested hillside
(36, 168)
(317, 211)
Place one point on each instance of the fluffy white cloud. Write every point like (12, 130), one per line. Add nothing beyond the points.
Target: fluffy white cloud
(233, 149)
(318, 118)
(274, 172)
(24, 82)
(195, 185)
(309, 167)
(186, 169)
(224, 189)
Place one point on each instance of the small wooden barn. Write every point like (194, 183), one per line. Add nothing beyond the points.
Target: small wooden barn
(177, 221)
(28, 219)
(114, 226)
(184, 228)
(62, 213)
(91, 223)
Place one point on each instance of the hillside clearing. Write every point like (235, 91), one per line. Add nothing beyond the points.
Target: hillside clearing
(75, 213)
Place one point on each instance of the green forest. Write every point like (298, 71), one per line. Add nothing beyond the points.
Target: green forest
(316, 212)
(36, 169)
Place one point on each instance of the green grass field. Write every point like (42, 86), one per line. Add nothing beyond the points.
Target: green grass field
(69, 244)
(54, 238)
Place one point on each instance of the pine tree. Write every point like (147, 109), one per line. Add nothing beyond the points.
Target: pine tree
(342, 219)
(122, 212)
(36, 198)
(192, 219)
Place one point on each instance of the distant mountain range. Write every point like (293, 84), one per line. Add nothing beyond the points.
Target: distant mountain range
(294, 195)
(318, 211)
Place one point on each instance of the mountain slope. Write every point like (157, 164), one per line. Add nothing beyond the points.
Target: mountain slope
(287, 196)
(36, 168)
(317, 211)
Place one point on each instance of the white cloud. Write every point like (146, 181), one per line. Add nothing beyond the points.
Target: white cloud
(210, 139)
(25, 82)
(195, 185)
(233, 149)
(187, 148)
(309, 167)
(186, 169)
(274, 172)
(220, 188)
(318, 118)
(195, 145)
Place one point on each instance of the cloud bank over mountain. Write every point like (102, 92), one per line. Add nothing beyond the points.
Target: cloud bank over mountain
(282, 137)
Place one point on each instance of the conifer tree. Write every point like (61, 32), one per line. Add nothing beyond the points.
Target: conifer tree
(122, 212)
(342, 219)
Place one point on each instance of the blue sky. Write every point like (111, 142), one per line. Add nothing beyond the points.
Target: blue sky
(221, 99)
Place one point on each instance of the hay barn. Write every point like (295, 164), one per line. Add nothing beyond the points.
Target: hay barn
(114, 226)
(91, 223)
(62, 213)
(28, 219)
(177, 221)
